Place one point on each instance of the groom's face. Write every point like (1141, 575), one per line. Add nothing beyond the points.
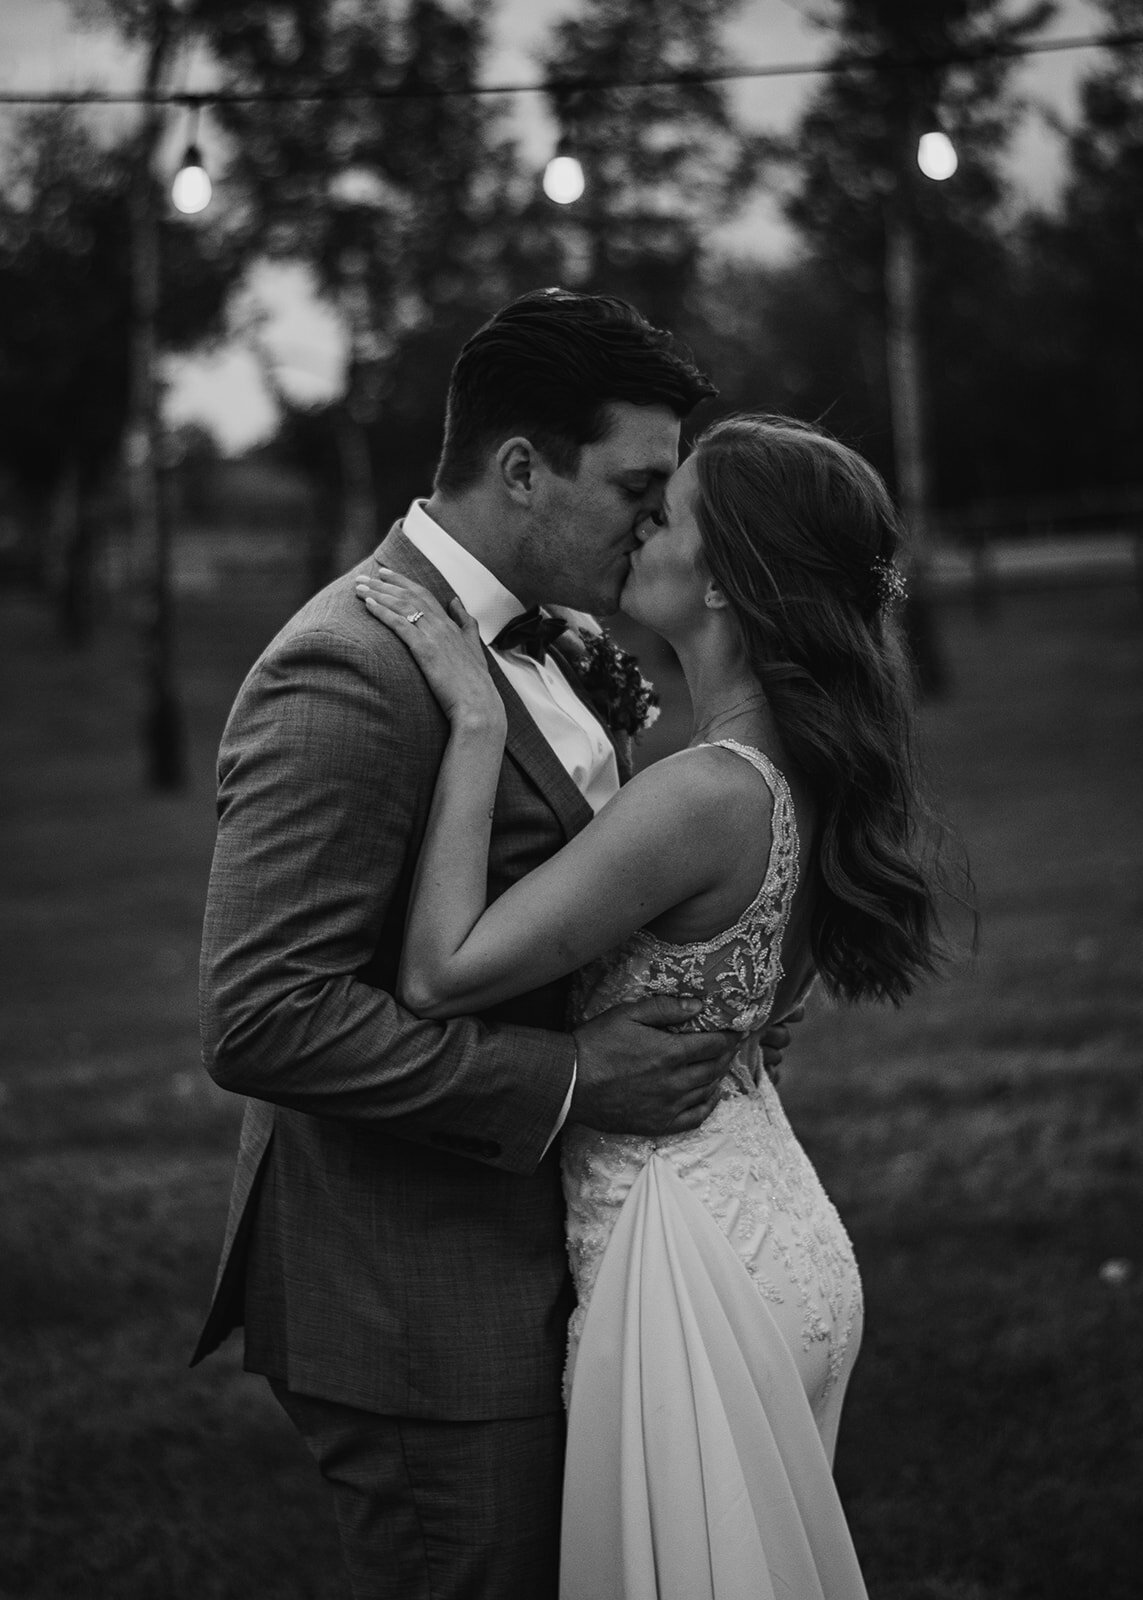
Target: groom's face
(587, 526)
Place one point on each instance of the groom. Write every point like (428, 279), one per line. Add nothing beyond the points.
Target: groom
(395, 1243)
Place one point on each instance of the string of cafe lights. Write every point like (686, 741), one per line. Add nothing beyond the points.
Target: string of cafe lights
(564, 181)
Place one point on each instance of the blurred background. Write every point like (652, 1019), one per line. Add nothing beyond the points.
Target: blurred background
(240, 246)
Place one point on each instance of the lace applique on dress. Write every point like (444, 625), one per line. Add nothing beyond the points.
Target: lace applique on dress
(744, 1162)
(740, 968)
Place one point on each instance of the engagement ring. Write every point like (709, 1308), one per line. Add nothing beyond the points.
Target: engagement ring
(414, 617)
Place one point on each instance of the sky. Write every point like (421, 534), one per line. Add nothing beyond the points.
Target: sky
(42, 47)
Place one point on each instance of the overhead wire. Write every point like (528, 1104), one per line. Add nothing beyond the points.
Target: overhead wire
(315, 94)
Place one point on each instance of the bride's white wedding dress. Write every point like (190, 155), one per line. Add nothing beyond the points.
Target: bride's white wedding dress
(719, 1308)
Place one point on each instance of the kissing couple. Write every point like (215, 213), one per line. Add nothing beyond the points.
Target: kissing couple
(520, 1234)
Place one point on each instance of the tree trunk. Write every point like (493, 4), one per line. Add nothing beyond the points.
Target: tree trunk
(77, 586)
(906, 405)
(62, 511)
(163, 732)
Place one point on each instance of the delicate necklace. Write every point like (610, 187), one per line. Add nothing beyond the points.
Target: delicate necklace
(725, 716)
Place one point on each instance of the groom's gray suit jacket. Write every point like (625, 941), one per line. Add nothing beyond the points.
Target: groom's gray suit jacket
(395, 1238)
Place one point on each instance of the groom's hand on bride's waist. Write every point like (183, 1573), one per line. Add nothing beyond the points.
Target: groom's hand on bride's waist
(774, 1041)
(634, 1075)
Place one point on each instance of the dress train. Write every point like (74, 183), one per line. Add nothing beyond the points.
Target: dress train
(695, 1468)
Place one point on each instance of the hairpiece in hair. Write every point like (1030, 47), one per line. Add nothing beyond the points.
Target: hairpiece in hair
(888, 583)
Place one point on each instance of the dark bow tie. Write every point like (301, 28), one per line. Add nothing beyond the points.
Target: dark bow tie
(532, 631)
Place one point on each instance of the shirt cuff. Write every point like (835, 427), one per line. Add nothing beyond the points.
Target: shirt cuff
(564, 1109)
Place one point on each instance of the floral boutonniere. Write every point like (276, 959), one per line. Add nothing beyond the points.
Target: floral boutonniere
(621, 696)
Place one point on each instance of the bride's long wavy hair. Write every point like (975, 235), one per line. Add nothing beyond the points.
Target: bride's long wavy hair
(797, 531)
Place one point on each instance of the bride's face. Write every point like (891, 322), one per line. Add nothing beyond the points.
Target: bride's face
(667, 586)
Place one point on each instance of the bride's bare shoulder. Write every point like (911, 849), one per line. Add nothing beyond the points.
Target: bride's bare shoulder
(704, 786)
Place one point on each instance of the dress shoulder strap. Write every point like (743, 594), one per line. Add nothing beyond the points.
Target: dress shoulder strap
(782, 874)
(775, 781)
(751, 945)
(783, 808)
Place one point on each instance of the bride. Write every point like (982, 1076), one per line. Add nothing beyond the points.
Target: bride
(720, 1309)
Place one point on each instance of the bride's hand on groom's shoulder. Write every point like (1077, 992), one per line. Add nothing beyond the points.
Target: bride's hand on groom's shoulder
(445, 645)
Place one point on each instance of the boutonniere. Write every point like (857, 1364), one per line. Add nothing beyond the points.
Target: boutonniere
(620, 695)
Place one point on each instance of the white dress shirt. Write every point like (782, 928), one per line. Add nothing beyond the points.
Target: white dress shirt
(574, 734)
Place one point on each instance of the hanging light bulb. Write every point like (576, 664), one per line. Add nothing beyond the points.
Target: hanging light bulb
(936, 155)
(192, 188)
(564, 181)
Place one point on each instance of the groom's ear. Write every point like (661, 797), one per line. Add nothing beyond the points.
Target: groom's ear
(516, 462)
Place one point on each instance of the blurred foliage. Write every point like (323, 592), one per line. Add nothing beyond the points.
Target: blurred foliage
(664, 164)
(65, 286)
(399, 203)
(1070, 331)
(405, 209)
(851, 165)
(136, 20)
(65, 341)
(776, 337)
(1033, 323)
(417, 217)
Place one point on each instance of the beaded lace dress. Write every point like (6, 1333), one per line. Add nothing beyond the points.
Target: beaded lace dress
(719, 1309)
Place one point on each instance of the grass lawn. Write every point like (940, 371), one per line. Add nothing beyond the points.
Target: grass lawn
(983, 1146)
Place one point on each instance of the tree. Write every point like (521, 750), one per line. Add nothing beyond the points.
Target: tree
(64, 341)
(1083, 268)
(664, 165)
(400, 206)
(776, 338)
(854, 175)
(912, 260)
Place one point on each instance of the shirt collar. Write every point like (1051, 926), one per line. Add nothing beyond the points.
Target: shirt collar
(483, 596)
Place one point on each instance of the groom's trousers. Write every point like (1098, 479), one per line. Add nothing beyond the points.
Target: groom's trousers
(437, 1510)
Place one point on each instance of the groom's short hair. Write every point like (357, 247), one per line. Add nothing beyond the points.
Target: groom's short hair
(547, 366)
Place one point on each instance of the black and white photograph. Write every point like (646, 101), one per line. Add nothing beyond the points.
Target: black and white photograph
(571, 906)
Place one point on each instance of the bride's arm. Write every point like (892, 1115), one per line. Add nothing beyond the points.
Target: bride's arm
(644, 853)
(655, 845)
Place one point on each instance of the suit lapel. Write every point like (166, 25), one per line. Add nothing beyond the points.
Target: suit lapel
(535, 756)
(525, 743)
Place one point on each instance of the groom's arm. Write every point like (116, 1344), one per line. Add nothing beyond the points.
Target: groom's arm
(326, 773)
